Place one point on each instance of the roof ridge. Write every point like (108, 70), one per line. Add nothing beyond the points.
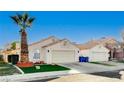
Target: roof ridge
(42, 40)
(54, 43)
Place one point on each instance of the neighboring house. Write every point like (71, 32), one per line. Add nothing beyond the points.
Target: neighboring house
(53, 50)
(95, 53)
(116, 52)
(116, 49)
(11, 49)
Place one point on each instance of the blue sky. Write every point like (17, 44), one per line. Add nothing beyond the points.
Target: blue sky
(76, 26)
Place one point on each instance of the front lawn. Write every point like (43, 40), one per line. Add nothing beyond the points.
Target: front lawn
(7, 69)
(43, 68)
(100, 63)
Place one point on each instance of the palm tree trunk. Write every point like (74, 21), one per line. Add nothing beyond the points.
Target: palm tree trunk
(24, 47)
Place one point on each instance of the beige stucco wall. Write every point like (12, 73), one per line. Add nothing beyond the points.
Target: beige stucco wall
(38, 46)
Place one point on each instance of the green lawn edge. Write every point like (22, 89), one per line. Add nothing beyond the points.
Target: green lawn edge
(99, 63)
(44, 68)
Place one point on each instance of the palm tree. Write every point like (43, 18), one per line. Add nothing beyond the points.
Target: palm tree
(23, 21)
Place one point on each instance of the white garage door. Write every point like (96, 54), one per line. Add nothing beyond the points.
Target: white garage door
(59, 56)
(100, 56)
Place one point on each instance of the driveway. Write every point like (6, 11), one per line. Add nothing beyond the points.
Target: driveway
(93, 68)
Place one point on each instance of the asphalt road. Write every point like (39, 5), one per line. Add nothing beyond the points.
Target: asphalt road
(110, 74)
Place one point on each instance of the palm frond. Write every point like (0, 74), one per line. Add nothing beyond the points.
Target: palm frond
(25, 17)
(30, 20)
(15, 18)
(19, 17)
(23, 20)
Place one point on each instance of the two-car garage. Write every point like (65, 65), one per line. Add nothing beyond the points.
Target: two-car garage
(62, 52)
(59, 56)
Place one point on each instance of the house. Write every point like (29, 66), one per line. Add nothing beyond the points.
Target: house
(116, 52)
(96, 50)
(11, 49)
(53, 50)
(116, 48)
(95, 53)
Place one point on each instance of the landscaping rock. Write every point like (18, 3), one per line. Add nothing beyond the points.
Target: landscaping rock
(37, 67)
(122, 75)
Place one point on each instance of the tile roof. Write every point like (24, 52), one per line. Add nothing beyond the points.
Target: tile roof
(93, 43)
(41, 40)
(54, 43)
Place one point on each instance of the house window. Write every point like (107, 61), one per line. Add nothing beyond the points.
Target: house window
(36, 54)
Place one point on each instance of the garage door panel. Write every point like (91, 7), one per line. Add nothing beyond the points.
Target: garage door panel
(100, 57)
(63, 56)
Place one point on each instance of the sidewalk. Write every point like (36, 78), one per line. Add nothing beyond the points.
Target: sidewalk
(85, 78)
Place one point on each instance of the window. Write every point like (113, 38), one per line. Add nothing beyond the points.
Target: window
(36, 54)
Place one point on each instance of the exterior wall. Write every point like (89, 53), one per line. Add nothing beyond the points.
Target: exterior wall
(85, 53)
(119, 54)
(60, 46)
(38, 46)
(98, 53)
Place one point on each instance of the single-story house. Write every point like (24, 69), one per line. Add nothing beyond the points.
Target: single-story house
(9, 50)
(95, 52)
(53, 50)
(8, 53)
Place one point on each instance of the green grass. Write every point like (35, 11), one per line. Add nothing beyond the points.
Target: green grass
(100, 63)
(120, 61)
(7, 69)
(44, 68)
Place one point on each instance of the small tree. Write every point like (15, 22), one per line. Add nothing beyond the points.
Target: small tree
(13, 46)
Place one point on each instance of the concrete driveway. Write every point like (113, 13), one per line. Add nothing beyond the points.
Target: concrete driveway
(93, 68)
(89, 72)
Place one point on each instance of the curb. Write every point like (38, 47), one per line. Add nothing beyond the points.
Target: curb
(18, 69)
(34, 76)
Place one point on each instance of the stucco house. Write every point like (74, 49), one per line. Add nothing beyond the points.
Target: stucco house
(53, 50)
(95, 52)
(9, 51)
